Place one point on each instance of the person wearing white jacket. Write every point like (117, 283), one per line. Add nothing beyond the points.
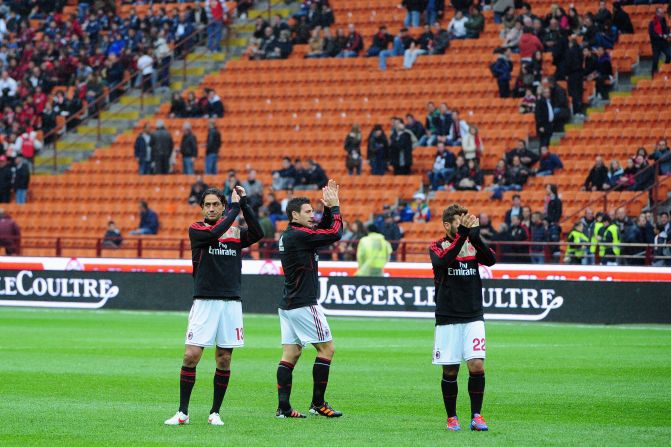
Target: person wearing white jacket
(457, 26)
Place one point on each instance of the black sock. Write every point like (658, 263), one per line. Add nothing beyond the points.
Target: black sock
(284, 371)
(450, 391)
(220, 385)
(320, 376)
(187, 378)
(476, 389)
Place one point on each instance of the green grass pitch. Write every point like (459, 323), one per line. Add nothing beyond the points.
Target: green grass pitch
(82, 378)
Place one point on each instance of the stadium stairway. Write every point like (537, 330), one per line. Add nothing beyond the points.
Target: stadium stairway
(79, 144)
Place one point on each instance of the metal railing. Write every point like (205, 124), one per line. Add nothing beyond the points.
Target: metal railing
(405, 250)
(99, 104)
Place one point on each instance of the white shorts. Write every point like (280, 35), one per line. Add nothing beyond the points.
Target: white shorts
(456, 342)
(304, 325)
(215, 322)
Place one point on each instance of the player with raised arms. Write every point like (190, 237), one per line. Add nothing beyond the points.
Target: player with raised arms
(460, 327)
(216, 313)
(302, 320)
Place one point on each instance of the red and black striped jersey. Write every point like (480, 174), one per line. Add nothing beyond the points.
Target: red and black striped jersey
(298, 252)
(216, 252)
(457, 277)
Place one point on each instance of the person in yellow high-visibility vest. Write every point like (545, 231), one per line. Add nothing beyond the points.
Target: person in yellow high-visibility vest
(611, 240)
(578, 240)
(595, 238)
(372, 253)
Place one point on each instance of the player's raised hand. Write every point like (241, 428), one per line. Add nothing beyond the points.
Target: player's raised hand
(468, 220)
(330, 193)
(235, 197)
(241, 191)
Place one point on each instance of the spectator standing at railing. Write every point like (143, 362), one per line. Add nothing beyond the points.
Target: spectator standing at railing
(611, 237)
(642, 232)
(662, 248)
(10, 234)
(163, 57)
(216, 25)
(112, 237)
(145, 64)
(538, 233)
(188, 148)
(578, 242)
(6, 176)
(392, 233)
(519, 233)
(659, 33)
(553, 204)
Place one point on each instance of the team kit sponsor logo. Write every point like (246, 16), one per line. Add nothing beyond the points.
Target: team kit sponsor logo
(28, 289)
(395, 300)
(222, 250)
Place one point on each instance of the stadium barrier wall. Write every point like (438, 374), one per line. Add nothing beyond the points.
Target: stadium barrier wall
(508, 300)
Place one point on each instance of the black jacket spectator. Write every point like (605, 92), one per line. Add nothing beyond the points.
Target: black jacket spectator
(597, 177)
(22, 176)
(400, 152)
(178, 106)
(621, 19)
(527, 157)
(213, 143)
(189, 145)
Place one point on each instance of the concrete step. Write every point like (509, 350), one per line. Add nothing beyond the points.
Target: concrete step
(77, 145)
(206, 56)
(121, 115)
(284, 12)
(190, 71)
(148, 100)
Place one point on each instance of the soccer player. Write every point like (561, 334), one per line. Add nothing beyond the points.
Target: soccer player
(302, 320)
(460, 327)
(216, 313)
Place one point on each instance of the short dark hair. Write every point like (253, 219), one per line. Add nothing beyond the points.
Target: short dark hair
(663, 213)
(452, 211)
(517, 196)
(296, 204)
(214, 191)
(372, 228)
(143, 204)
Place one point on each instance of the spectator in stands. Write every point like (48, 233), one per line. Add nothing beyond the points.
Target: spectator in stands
(421, 213)
(316, 175)
(641, 232)
(473, 179)
(537, 232)
(662, 156)
(274, 209)
(145, 64)
(145, 144)
(528, 104)
(254, 188)
(352, 146)
(400, 43)
(112, 237)
(471, 144)
(381, 41)
(212, 146)
(487, 230)
(392, 233)
(414, 8)
(284, 178)
(504, 12)
(545, 117)
(518, 233)
(443, 168)
(163, 54)
(301, 180)
(475, 23)
(553, 204)
(188, 148)
(458, 130)
(281, 47)
(440, 41)
(627, 179)
(10, 234)
(615, 172)
(662, 248)
(457, 26)
(621, 19)
(549, 163)
(442, 124)
(645, 174)
(597, 179)
(333, 45)
(559, 99)
(164, 148)
(197, 189)
(416, 49)
(529, 43)
(215, 108)
(353, 45)
(315, 45)
(148, 221)
(574, 69)
(515, 210)
(21, 179)
(510, 37)
(659, 33)
(378, 150)
(501, 69)
(177, 106)
(216, 25)
(400, 149)
(429, 128)
(527, 157)
(604, 70)
(6, 176)
(526, 216)
(414, 126)
(231, 182)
